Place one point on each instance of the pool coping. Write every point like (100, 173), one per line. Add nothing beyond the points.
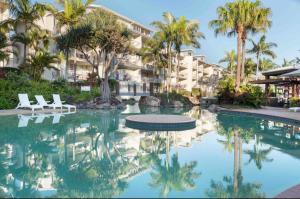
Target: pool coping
(255, 113)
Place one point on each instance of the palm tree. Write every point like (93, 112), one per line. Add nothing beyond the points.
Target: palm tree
(167, 33)
(38, 62)
(71, 15)
(261, 48)
(173, 176)
(238, 18)
(186, 33)
(4, 48)
(287, 62)
(230, 59)
(25, 13)
(259, 155)
(152, 52)
(266, 64)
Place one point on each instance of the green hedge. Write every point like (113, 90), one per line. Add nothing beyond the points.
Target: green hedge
(15, 84)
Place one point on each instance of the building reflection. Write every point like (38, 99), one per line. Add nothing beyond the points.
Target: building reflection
(47, 155)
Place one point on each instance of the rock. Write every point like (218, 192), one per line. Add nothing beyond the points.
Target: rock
(177, 104)
(149, 101)
(103, 106)
(213, 108)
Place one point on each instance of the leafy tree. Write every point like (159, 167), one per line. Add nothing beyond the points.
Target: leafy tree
(103, 41)
(261, 48)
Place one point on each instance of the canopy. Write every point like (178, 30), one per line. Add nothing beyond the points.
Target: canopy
(295, 73)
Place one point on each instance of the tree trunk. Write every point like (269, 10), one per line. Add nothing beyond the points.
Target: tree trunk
(25, 53)
(243, 60)
(177, 71)
(169, 68)
(67, 65)
(257, 66)
(236, 163)
(239, 62)
(105, 91)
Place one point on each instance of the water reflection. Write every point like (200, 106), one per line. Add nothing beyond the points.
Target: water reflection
(93, 154)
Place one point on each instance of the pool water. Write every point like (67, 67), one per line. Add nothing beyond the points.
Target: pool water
(93, 154)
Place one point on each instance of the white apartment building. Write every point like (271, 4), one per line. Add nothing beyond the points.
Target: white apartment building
(195, 72)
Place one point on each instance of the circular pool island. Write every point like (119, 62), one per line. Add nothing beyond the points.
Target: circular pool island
(155, 122)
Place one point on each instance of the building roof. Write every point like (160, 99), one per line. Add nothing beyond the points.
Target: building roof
(119, 15)
(280, 71)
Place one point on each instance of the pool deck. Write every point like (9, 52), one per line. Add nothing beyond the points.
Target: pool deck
(293, 192)
(271, 112)
(27, 111)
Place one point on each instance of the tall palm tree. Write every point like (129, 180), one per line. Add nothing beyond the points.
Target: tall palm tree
(236, 18)
(266, 64)
(25, 13)
(187, 33)
(262, 48)
(230, 59)
(167, 31)
(70, 16)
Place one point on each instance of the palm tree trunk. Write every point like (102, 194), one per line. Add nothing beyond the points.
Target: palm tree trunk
(177, 71)
(257, 66)
(67, 65)
(236, 162)
(243, 60)
(169, 68)
(239, 61)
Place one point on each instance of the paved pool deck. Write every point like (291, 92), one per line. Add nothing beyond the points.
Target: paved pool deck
(269, 112)
(27, 111)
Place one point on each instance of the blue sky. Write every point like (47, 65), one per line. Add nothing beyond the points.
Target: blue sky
(285, 30)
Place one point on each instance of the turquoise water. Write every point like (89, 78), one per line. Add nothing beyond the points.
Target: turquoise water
(93, 154)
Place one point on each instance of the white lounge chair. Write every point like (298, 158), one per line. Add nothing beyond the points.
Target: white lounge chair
(58, 102)
(25, 103)
(295, 109)
(41, 101)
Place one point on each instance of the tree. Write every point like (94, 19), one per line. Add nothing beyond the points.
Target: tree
(173, 176)
(152, 52)
(25, 13)
(259, 155)
(167, 32)
(36, 64)
(4, 48)
(72, 14)
(103, 41)
(230, 59)
(261, 48)
(236, 18)
(186, 33)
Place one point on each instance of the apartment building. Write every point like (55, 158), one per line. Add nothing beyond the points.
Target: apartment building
(195, 72)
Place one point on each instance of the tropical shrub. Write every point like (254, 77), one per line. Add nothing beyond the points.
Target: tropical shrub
(248, 95)
(183, 92)
(14, 84)
(294, 101)
(196, 92)
(172, 98)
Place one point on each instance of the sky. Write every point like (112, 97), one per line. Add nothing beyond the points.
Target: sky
(285, 30)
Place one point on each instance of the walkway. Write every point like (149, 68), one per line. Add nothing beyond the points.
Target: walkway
(270, 112)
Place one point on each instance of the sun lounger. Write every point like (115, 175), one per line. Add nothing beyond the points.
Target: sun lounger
(25, 103)
(41, 101)
(294, 109)
(58, 102)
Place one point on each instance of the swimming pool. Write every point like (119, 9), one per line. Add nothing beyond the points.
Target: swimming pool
(93, 154)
